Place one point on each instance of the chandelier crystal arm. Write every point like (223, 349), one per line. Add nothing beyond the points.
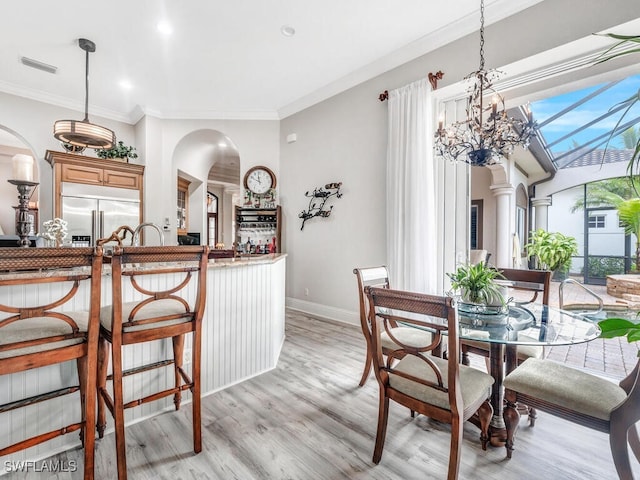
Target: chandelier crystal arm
(475, 140)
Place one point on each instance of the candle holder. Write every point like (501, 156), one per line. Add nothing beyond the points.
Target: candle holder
(25, 189)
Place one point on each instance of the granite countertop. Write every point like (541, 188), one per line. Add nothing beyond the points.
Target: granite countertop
(241, 261)
(106, 268)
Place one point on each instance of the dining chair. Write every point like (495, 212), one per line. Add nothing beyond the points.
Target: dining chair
(443, 390)
(477, 256)
(379, 277)
(535, 282)
(581, 398)
(34, 333)
(169, 284)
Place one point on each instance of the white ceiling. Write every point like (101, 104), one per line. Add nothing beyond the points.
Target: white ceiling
(224, 59)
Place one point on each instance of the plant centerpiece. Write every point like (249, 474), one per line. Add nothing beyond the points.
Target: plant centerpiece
(120, 150)
(475, 284)
(552, 250)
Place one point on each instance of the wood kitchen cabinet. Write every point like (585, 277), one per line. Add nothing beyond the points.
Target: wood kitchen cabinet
(73, 168)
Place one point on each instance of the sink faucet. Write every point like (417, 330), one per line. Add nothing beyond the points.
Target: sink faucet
(135, 241)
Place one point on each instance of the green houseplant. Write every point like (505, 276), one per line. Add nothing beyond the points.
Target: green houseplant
(476, 284)
(552, 250)
(629, 215)
(120, 150)
(620, 327)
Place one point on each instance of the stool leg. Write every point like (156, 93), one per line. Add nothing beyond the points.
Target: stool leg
(118, 410)
(195, 391)
(81, 364)
(178, 352)
(90, 408)
(103, 364)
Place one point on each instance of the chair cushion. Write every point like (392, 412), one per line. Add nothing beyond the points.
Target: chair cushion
(41, 327)
(158, 308)
(566, 387)
(410, 336)
(475, 384)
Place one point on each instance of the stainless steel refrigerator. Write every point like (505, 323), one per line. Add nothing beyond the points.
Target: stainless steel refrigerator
(94, 212)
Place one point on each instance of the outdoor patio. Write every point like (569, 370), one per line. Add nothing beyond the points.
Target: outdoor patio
(614, 357)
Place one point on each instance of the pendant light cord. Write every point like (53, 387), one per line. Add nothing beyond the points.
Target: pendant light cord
(86, 87)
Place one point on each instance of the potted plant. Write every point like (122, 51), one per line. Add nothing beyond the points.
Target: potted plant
(120, 150)
(476, 284)
(552, 250)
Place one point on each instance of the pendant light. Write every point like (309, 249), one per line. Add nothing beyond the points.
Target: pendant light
(84, 133)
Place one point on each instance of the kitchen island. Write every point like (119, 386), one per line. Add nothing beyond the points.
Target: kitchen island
(243, 333)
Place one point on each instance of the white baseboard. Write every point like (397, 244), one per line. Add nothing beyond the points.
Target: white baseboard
(323, 311)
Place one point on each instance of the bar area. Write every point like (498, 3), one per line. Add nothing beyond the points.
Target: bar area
(242, 337)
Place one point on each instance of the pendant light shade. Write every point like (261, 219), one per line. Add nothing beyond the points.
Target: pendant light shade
(84, 133)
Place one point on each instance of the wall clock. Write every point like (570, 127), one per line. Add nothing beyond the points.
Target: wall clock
(259, 180)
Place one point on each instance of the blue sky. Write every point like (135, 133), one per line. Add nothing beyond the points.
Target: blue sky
(585, 113)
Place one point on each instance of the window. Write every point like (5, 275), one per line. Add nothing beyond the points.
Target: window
(521, 226)
(212, 219)
(183, 205)
(476, 225)
(596, 221)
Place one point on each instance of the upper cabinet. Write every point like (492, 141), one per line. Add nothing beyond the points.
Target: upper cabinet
(68, 167)
(73, 168)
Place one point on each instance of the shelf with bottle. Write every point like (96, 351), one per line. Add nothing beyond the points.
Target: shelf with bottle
(257, 230)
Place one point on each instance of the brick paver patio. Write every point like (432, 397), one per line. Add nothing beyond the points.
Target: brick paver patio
(613, 357)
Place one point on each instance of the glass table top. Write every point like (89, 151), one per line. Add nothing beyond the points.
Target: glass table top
(533, 324)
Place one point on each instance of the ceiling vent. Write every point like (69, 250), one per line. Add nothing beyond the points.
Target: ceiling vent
(45, 67)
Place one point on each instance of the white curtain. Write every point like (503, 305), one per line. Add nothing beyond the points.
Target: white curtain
(412, 229)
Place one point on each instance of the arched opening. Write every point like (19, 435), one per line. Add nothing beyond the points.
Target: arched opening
(207, 164)
(11, 144)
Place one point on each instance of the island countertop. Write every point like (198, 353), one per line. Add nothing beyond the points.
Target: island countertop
(217, 263)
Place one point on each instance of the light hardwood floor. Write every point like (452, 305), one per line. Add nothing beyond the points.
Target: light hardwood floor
(308, 419)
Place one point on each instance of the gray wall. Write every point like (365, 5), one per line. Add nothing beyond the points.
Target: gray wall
(344, 139)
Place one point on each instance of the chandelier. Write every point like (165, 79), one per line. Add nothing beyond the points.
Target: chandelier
(84, 133)
(488, 134)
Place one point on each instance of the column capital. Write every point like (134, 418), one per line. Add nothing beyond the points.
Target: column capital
(502, 189)
(541, 202)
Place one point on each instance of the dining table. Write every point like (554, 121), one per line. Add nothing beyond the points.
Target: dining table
(504, 329)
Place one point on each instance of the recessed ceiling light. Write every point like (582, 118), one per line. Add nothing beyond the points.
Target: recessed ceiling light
(165, 28)
(126, 84)
(287, 30)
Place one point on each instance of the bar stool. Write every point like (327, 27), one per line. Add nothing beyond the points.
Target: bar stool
(34, 336)
(160, 312)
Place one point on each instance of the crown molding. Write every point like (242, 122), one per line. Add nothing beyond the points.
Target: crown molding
(495, 12)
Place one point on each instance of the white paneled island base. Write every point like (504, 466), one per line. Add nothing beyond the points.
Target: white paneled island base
(243, 333)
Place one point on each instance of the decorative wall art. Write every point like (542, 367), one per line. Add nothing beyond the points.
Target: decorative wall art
(317, 200)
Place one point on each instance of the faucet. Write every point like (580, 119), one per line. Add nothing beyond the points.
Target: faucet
(135, 241)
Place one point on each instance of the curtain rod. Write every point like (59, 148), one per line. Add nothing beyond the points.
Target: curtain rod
(433, 80)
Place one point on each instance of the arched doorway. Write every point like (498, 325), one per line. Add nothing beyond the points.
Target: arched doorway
(207, 165)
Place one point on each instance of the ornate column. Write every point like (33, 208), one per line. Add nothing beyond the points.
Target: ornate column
(503, 193)
(541, 213)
